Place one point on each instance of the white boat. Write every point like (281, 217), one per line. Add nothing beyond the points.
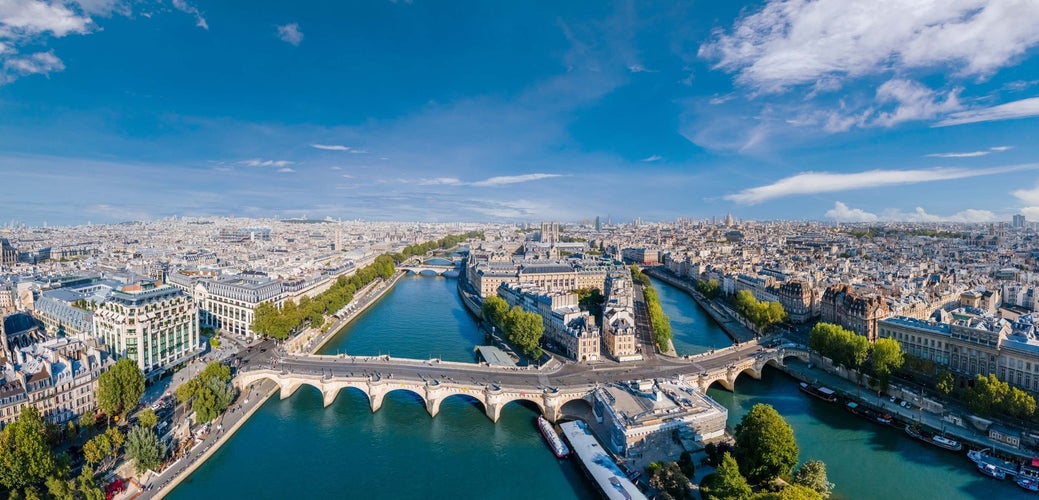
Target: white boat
(991, 471)
(982, 459)
(559, 448)
(1028, 484)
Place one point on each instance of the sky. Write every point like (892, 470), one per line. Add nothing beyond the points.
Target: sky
(828, 110)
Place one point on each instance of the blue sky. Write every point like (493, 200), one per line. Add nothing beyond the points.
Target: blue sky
(847, 110)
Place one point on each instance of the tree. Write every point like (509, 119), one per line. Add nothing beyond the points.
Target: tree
(116, 438)
(148, 418)
(525, 330)
(668, 477)
(60, 489)
(685, 462)
(120, 388)
(212, 398)
(987, 395)
(87, 486)
(216, 370)
(97, 449)
(945, 383)
(765, 445)
(25, 458)
(726, 482)
(495, 309)
(885, 357)
(1018, 403)
(812, 474)
(144, 448)
(791, 492)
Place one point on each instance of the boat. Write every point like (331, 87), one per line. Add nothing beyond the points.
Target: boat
(559, 448)
(870, 414)
(1028, 484)
(991, 471)
(823, 393)
(933, 439)
(982, 458)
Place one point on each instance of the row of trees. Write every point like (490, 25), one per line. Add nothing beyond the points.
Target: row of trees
(709, 288)
(991, 395)
(524, 329)
(762, 314)
(30, 469)
(209, 393)
(279, 324)
(661, 323)
(850, 350)
(444, 243)
(766, 450)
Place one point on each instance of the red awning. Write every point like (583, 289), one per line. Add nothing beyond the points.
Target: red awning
(1035, 462)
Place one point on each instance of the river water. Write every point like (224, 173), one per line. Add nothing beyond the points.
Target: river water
(297, 448)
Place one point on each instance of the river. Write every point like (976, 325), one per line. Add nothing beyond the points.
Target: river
(295, 447)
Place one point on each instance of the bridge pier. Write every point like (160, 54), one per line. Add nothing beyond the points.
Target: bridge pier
(288, 389)
(376, 401)
(328, 396)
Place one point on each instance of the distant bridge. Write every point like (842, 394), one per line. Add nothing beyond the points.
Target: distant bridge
(427, 269)
(494, 387)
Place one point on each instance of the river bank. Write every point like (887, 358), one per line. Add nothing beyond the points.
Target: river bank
(728, 320)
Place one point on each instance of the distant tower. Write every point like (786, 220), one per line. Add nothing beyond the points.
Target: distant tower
(1019, 221)
(339, 239)
(728, 219)
(598, 224)
(549, 232)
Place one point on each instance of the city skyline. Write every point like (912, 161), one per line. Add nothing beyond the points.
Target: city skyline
(405, 110)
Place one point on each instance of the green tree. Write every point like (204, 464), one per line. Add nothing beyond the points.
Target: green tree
(148, 418)
(812, 474)
(726, 482)
(116, 438)
(791, 492)
(120, 388)
(945, 383)
(25, 457)
(885, 356)
(495, 309)
(97, 449)
(525, 330)
(685, 462)
(1018, 403)
(144, 448)
(765, 445)
(987, 395)
(87, 486)
(216, 370)
(60, 489)
(211, 399)
(668, 477)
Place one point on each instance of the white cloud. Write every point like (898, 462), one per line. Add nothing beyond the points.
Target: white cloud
(796, 42)
(652, 158)
(1000, 149)
(1024, 108)
(920, 215)
(828, 182)
(842, 213)
(38, 63)
(27, 18)
(256, 162)
(638, 68)
(913, 102)
(290, 33)
(1029, 196)
(183, 6)
(970, 154)
(513, 179)
(441, 181)
(286, 170)
(331, 147)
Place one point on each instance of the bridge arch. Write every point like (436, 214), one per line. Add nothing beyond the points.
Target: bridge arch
(577, 408)
(468, 397)
(378, 393)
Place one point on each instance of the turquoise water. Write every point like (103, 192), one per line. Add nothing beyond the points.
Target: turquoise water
(295, 448)
(693, 331)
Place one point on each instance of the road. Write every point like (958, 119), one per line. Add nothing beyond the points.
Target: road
(569, 375)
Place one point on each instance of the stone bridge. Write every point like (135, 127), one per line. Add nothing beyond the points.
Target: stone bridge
(432, 393)
(495, 387)
(427, 269)
(726, 376)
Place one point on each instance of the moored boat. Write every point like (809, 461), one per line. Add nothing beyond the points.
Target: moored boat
(559, 448)
(933, 439)
(823, 393)
(982, 458)
(1028, 484)
(870, 414)
(991, 471)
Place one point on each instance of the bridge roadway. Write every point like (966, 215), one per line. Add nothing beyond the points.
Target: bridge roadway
(494, 387)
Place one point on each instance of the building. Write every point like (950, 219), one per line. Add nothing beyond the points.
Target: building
(852, 309)
(1019, 221)
(549, 233)
(8, 254)
(618, 319)
(486, 275)
(799, 300)
(153, 324)
(230, 302)
(568, 329)
(58, 377)
(637, 413)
